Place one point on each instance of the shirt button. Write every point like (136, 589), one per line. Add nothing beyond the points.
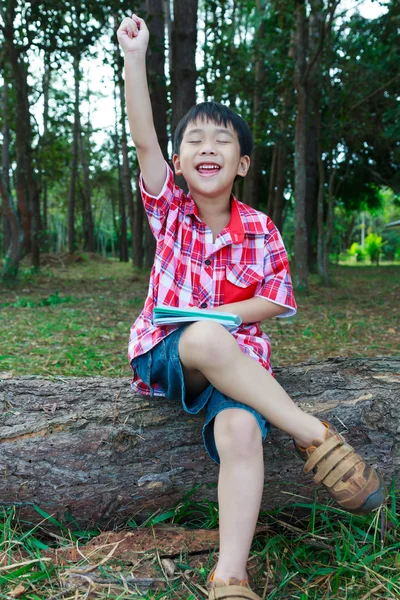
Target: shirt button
(208, 262)
(204, 305)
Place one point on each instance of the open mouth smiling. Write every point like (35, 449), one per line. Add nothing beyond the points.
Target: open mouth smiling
(208, 169)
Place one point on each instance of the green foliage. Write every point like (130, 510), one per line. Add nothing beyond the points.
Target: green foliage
(357, 251)
(51, 300)
(373, 246)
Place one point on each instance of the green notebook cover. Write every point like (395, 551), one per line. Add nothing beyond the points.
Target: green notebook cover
(169, 315)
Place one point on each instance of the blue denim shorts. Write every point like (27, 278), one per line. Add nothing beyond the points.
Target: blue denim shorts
(162, 365)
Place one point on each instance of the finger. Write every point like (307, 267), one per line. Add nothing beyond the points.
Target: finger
(139, 22)
(128, 27)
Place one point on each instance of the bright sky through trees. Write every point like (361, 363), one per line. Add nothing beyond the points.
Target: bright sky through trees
(99, 76)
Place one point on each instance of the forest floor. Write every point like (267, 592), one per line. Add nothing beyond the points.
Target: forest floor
(74, 319)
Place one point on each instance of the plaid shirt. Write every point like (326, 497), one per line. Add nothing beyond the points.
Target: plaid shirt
(247, 259)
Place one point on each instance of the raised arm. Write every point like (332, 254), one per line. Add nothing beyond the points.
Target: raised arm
(133, 37)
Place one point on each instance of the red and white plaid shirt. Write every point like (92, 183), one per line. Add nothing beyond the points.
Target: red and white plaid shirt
(247, 259)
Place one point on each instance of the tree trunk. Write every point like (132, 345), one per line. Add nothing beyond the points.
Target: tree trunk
(320, 210)
(329, 222)
(279, 198)
(300, 236)
(44, 141)
(183, 64)
(22, 129)
(272, 180)
(93, 450)
(13, 255)
(5, 163)
(74, 165)
(183, 68)
(120, 226)
(313, 84)
(88, 226)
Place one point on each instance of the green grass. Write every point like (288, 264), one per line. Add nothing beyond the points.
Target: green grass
(75, 320)
(304, 551)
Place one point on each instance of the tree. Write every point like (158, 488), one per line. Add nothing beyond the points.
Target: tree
(26, 185)
(183, 62)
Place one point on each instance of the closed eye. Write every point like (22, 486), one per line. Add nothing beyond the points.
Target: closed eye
(194, 141)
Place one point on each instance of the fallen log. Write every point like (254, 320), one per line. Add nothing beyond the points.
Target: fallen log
(90, 451)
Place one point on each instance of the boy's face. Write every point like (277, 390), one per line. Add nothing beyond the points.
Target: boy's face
(209, 158)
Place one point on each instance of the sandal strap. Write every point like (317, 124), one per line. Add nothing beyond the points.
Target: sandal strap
(322, 450)
(325, 467)
(341, 470)
(232, 592)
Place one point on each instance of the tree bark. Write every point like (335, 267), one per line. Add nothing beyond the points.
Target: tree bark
(74, 165)
(183, 63)
(183, 71)
(5, 163)
(279, 198)
(13, 255)
(300, 235)
(93, 450)
(135, 216)
(313, 87)
(45, 141)
(120, 225)
(24, 179)
(88, 226)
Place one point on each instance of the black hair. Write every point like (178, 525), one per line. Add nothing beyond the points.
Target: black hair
(220, 115)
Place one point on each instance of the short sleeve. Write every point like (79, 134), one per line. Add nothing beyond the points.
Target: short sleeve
(157, 207)
(277, 283)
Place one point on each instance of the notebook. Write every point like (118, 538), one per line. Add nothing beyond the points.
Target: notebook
(171, 315)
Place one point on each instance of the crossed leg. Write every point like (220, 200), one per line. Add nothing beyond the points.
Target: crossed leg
(209, 353)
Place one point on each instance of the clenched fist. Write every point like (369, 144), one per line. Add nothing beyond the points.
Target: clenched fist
(133, 35)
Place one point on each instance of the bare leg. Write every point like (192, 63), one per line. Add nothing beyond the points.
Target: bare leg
(209, 349)
(240, 485)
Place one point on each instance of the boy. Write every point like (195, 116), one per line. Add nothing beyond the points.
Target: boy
(214, 252)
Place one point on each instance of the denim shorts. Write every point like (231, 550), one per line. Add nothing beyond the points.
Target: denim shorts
(162, 365)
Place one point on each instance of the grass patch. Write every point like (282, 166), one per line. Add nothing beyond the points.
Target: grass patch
(75, 320)
(304, 551)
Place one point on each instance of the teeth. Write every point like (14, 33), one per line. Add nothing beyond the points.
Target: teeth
(208, 167)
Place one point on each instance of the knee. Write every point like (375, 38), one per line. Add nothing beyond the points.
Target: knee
(237, 435)
(205, 342)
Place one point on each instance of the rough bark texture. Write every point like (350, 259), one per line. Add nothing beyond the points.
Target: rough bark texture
(88, 225)
(92, 449)
(74, 165)
(24, 179)
(300, 234)
(183, 64)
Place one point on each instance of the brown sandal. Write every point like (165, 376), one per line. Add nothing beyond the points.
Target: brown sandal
(233, 589)
(355, 486)
(232, 592)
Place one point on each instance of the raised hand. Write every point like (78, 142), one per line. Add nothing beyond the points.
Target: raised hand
(133, 35)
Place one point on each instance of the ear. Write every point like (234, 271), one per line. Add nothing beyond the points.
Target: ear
(244, 166)
(176, 161)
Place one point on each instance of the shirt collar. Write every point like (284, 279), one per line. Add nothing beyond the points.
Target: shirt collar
(244, 219)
